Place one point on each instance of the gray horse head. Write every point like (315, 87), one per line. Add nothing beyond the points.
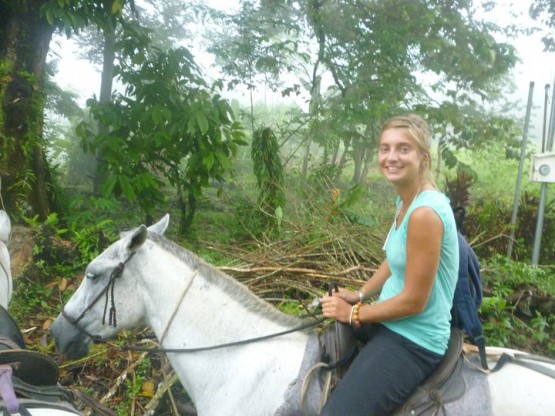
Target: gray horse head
(90, 314)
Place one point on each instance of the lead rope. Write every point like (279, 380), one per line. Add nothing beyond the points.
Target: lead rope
(326, 388)
(177, 306)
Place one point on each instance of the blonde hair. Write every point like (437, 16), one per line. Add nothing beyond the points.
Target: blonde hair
(419, 132)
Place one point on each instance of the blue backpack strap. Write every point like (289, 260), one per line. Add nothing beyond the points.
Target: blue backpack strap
(468, 297)
(475, 281)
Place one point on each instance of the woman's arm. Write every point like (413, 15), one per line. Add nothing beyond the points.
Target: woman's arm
(425, 232)
(375, 283)
(372, 286)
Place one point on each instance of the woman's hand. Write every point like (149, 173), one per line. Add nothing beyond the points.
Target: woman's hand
(338, 305)
(347, 295)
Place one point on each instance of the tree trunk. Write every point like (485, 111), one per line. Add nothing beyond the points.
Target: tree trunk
(367, 151)
(24, 43)
(105, 94)
(344, 155)
(358, 155)
(368, 158)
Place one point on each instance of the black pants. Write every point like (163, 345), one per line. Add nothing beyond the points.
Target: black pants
(382, 376)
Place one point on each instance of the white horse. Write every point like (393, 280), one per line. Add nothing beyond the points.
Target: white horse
(6, 283)
(146, 279)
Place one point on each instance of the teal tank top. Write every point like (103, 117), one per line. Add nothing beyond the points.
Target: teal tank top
(431, 328)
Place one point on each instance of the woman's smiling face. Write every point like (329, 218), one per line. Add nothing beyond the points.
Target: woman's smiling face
(399, 159)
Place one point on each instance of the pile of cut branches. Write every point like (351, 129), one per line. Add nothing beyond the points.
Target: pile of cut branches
(303, 266)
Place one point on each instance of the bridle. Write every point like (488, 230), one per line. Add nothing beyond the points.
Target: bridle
(108, 292)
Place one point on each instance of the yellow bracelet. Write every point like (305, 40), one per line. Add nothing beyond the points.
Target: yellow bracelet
(354, 313)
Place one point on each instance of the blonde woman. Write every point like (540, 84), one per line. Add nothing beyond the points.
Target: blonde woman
(407, 329)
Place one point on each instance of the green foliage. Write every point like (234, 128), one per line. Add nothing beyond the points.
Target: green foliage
(517, 310)
(134, 386)
(246, 221)
(71, 16)
(500, 272)
(269, 174)
(489, 204)
(468, 126)
(377, 61)
(542, 11)
(29, 297)
(458, 187)
(336, 201)
(169, 128)
(291, 307)
(489, 218)
(258, 43)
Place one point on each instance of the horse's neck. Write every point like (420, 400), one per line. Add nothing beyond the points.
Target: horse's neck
(187, 310)
(202, 304)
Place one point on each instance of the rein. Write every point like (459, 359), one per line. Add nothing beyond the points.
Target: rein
(225, 345)
(108, 292)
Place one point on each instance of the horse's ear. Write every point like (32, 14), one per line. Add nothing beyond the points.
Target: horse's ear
(137, 238)
(161, 226)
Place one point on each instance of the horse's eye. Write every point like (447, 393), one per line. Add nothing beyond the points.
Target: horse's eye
(91, 276)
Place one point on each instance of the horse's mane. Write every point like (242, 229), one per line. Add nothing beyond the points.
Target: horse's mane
(231, 286)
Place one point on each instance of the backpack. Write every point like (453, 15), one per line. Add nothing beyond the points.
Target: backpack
(468, 298)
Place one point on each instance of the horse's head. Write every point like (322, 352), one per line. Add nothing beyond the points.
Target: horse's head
(107, 300)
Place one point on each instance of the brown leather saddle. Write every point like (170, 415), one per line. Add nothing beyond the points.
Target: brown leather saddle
(446, 384)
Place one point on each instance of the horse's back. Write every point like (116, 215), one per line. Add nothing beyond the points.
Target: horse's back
(520, 391)
(512, 390)
(476, 399)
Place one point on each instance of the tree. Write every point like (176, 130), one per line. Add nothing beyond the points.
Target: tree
(543, 11)
(24, 42)
(378, 55)
(268, 170)
(26, 28)
(168, 126)
(98, 44)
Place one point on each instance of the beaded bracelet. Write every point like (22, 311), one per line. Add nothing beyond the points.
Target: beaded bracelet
(354, 315)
